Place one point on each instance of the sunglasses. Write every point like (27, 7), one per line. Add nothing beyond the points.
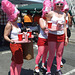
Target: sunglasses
(60, 4)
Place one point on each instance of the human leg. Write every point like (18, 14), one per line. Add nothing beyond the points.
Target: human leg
(52, 48)
(17, 57)
(43, 67)
(59, 53)
(12, 68)
(18, 69)
(45, 54)
(40, 53)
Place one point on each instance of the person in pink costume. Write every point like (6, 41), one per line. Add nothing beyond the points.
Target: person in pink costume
(42, 38)
(57, 35)
(68, 18)
(12, 29)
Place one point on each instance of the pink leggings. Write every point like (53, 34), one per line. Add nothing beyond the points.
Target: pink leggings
(42, 50)
(58, 47)
(15, 69)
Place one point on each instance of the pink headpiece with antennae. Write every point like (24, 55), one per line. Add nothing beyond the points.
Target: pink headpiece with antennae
(58, 1)
(46, 7)
(66, 7)
(10, 9)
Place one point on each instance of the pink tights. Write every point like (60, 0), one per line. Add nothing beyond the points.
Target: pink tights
(15, 69)
(42, 50)
(58, 47)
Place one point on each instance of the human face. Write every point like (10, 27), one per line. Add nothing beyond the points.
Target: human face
(59, 5)
(16, 17)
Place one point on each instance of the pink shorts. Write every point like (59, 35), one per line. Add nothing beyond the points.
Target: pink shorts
(17, 53)
(42, 42)
(56, 38)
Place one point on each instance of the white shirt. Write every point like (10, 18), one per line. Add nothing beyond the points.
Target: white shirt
(42, 33)
(14, 33)
(54, 23)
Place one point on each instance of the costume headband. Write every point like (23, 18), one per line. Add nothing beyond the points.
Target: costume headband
(59, 1)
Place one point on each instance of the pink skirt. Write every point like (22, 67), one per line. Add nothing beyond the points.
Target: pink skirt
(56, 38)
(17, 53)
(42, 42)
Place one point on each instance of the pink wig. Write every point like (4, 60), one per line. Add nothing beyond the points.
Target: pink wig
(58, 1)
(9, 9)
(14, 15)
(66, 7)
(46, 7)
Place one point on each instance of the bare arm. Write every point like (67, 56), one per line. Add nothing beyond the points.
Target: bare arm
(41, 23)
(65, 30)
(69, 18)
(7, 31)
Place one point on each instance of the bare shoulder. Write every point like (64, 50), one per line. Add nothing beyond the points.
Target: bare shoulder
(51, 12)
(8, 25)
(68, 14)
(64, 14)
(41, 19)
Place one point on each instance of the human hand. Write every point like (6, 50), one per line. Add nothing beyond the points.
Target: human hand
(46, 31)
(12, 41)
(66, 42)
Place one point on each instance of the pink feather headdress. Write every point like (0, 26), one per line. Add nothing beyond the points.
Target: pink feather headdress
(66, 7)
(10, 9)
(46, 7)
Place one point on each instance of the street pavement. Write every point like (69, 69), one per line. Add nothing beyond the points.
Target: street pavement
(72, 38)
(28, 65)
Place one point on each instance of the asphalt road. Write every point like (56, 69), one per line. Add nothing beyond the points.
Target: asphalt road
(28, 65)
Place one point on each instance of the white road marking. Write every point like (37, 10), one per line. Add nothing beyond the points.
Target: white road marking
(5, 52)
(70, 72)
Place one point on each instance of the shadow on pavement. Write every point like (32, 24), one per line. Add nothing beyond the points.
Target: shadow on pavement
(4, 48)
(31, 72)
(25, 72)
(54, 66)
